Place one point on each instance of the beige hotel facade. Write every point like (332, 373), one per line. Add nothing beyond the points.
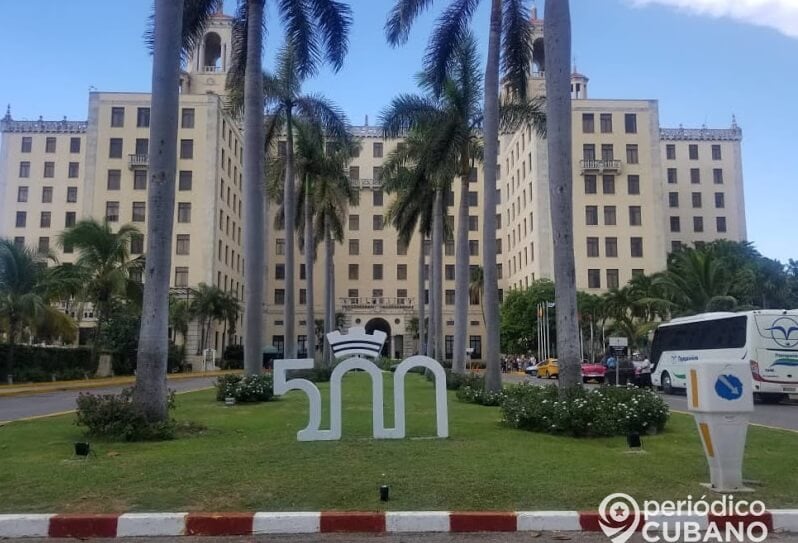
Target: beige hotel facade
(640, 191)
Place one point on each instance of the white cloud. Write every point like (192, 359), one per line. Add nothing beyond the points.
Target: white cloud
(779, 14)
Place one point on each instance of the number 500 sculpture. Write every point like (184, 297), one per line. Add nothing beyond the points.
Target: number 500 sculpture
(355, 347)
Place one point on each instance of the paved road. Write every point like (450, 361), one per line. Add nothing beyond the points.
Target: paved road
(779, 416)
(17, 407)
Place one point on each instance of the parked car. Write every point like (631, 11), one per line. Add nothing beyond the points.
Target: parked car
(532, 369)
(593, 371)
(548, 369)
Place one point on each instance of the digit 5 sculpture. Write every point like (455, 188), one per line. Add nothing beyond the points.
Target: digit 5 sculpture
(357, 345)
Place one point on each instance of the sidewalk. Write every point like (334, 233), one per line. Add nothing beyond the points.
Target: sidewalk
(28, 389)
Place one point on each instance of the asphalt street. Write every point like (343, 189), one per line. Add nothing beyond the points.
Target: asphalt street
(783, 415)
(18, 407)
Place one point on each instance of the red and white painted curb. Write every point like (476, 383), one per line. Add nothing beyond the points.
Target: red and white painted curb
(230, 524)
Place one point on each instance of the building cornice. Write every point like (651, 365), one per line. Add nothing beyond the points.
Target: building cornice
(43, 127)
(701, 134)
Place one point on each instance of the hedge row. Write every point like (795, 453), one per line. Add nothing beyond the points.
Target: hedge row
(34, 364)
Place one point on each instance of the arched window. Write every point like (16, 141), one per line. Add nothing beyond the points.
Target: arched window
(538, 56)
(212, 47)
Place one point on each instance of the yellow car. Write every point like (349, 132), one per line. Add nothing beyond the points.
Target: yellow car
(548, 369)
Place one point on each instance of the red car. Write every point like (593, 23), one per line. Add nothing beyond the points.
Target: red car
(592, 371)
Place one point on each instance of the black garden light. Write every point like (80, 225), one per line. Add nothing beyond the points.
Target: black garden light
(82, 448)
(384, 493)
(633, 440)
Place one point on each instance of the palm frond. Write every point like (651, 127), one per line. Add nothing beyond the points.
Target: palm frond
(401, 19)
(451, 29)
(513, 114)
(406, 112)
(516, 46)
(326, 114)
(333, 22)
(300, 36)
(196, 14)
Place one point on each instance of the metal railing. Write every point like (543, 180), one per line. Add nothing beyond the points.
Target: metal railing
(366, 183)
(211, 69)
(138, 161)
(377, 302)
(600, 165)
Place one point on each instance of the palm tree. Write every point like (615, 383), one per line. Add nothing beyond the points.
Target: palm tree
(103, 269)
(315, 29)
(177, 28)
(510, 51)
(230, 310)
(694, 279)
(207, 306)
(179, 320)
(476, 287)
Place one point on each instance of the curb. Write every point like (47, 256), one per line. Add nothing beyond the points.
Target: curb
(244, 524)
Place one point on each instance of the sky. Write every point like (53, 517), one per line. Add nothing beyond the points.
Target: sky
(704, 60)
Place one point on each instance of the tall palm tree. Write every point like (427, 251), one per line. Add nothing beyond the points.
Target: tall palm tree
(207, 306)
(694, 279)
(476, 287)
(179, 320)
(177, 28)
(230, 310)
(316, 30)
(509, 51)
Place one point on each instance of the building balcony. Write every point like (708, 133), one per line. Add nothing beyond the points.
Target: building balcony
(138, 161)
(377, 303)
(600, 166)
(212, 69)
(366, 183)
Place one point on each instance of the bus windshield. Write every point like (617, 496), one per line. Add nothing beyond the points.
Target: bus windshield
(727, 333)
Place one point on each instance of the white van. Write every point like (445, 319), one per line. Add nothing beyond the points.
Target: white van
(767, 338)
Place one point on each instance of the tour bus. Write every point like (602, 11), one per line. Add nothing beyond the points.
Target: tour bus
(768, 339)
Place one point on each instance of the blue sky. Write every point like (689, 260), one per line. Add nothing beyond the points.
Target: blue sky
(704, 60)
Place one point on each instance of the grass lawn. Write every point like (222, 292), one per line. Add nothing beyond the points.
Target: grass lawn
(249, 459)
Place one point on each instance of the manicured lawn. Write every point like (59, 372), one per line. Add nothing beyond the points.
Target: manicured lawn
(249, 459)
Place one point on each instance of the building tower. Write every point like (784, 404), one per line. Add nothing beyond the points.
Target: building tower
(578, 85)
(206, 70)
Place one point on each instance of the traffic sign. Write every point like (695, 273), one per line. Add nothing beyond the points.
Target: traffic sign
(729, 387)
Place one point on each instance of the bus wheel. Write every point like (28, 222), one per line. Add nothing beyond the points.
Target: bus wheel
(667, 386)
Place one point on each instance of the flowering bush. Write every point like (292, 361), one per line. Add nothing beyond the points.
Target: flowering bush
(604, 411)
(255, 388)
(472, 390)
(113, 416)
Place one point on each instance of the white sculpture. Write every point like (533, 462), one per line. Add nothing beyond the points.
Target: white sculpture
(357, 345)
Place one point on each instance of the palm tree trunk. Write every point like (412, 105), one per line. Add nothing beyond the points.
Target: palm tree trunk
(493, 377)
(288, 204)
(329, 312)
(461, 280)
(150, 396)
(310, 249)
(421, 302)
(437, 275)
(254, 199)
(558, 85)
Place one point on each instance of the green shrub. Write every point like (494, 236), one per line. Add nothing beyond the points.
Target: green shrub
(456, 381)
(233, 357)
(315, 375)
(113, 416)
(36, 364)
(255, 388)
(472, 390)
(605, 411)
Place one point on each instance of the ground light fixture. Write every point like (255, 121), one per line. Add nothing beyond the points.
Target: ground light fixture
(384, 493)
(633, 440)
(82, 449)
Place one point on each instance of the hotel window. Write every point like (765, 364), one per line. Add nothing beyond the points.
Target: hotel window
(22, 194)
(44, 244)
(21, 219)
(183, 244)
(590, 185)
(716, 154)
(27, 144)
(475, 343)
(143, 117)
(376, 198)
(609, 216)
(499, 271)
(607, 152)
(473, 223)
(633, 184)
(670, 151)
(279, 297)
(353, 293)
(279, 246)
(606, 123)
(401, 273)
(673, 199)
(696, 200)
(184, 212)
(693, 152)
(672, 176)
(698, 224)
(279, 271)
(473, 200)
(49, 145)
(185, 178)
(498, 246)
(427, 246)
(187, 117)
(45, 219)
(376, 247)
(473, 247)
(612, 279)
(632, 154)
(24, 169)
(140, 180)
(588, 152)
(448, 273)
(19, 242)
(720, 223)
(115, 148)
(377, 222)
(720, 200)
(635, 216)
(73, 170)
(354, 173)
(591, 215)
(448, 248)
(47, 195)
(695, 176)
(608, 184)
(592, 247)
(676, 246)
(139, 211)
(186, 149)
(448, 298)
(472, 175)
(354, 272)
(303, 299)
(611, 247)
(717, 176)
(117, 117)
(302, 272)
(676, 224)
(49, 169)
(69, 219)
(377, 150)
(74, 145)
(636, 245)
(593, 278)
(354, 247)
(376, 272)
(630, 123)
(588, 123)
(401, 248)
(112, 211)
(142, 147)
(354, 222)
(181, 276)
(137, 244)
(377, 174)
